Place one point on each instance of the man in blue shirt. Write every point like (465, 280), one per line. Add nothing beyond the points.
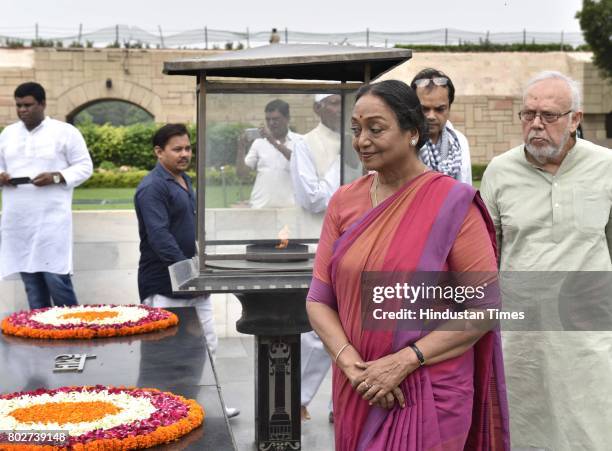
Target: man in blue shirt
(166, 211)
(165, 207)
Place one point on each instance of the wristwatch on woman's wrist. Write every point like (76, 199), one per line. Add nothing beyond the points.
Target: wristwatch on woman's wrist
(57, 179)
(418, 353)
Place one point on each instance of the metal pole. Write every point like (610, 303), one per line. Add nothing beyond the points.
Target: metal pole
(201, 168)
(161, 36)
(223, 186)
(561, 40)
(286, 36)
(117, 34)
(367, 37)
(446, 36)
(487, 38)
(206, 38)
(524, 36)
(36, 31)
(386, 42)
(80, 32)
(247, 39)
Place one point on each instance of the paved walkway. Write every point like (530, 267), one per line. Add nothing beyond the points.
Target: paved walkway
(235, 362)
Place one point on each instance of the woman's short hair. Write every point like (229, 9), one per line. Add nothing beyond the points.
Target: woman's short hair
(404, 103)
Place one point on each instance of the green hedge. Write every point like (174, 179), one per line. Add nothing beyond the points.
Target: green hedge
(477, 171)
(131, 145)
(113, 178)
(490, 47)
(111, 147)
(123, 146)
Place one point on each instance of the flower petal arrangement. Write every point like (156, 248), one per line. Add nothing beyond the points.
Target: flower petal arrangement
(99, 417)
(87, 321)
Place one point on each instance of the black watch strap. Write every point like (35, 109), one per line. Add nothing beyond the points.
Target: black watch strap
(418, 353)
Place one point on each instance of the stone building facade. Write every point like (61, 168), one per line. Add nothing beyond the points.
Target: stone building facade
(488, 89)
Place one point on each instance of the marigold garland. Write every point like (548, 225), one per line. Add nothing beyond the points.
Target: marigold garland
(95, 440)
(24, 324)
(64, 412)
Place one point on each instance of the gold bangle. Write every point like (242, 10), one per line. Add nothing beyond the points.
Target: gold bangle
(340, 351)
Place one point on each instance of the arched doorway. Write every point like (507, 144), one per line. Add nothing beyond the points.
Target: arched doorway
(116, 112)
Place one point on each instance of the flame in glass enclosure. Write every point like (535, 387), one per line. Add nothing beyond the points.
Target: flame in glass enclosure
(272, 163)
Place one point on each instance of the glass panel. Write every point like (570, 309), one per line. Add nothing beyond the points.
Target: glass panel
(272, 163)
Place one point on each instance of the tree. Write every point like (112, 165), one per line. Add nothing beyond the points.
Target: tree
(596, 23)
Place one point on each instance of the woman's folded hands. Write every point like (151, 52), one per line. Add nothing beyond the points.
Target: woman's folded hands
(379, 380)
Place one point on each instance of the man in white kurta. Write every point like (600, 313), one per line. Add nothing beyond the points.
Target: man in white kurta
(315, 172)
(270, 156)
(551, 202)
(36, 224)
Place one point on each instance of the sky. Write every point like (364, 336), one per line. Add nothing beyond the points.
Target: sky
(305, 15)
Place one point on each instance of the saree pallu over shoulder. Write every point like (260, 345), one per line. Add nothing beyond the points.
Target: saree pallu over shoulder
(413, 230)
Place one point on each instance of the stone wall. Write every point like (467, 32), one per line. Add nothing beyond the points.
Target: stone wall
(489, 92)
(488, 89)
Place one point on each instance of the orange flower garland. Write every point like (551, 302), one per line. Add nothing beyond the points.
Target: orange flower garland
(65, 412)
(90, 316)
(84, 326)
(160, 435)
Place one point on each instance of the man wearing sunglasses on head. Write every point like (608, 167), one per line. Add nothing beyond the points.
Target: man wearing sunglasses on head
(447, 150)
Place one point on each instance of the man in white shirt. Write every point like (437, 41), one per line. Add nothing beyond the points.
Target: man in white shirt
(270, 156)
(447, 150)
(41, 161)
(315, 168)
(315, 172)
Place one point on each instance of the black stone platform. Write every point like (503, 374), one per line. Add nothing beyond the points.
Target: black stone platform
(171, 360)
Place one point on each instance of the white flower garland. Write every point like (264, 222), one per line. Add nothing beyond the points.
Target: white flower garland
(133, 408)
(53, 316)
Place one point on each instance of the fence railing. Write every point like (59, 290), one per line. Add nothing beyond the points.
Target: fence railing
(211, 38)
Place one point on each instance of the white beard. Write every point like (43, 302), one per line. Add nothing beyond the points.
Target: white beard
(546, 153)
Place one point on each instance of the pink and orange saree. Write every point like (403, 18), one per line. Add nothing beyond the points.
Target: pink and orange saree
(433, 223)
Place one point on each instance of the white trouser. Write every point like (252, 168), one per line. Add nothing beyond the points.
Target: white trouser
(315, 364)
(203, 306)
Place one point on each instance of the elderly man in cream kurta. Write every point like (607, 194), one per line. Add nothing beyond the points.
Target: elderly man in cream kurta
(36, 225)
(315, 172)
(551, 203)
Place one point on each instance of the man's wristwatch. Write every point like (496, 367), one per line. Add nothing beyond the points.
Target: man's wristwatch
(57, 179)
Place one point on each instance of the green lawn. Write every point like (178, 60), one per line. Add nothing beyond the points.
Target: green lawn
(122, 198)
(103, 199)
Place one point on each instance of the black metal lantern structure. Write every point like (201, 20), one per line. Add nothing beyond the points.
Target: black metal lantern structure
(237, 246)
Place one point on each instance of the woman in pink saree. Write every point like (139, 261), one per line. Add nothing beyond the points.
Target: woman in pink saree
(398, 389)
